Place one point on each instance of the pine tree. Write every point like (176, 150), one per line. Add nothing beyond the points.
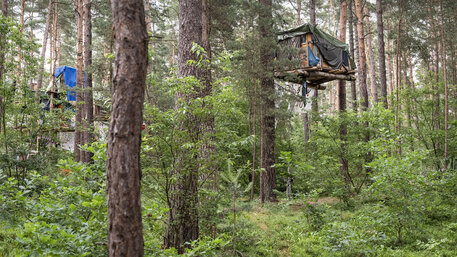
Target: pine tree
(125, 237)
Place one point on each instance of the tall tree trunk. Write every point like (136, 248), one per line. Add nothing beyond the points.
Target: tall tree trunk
(344, 168)
(312, 12)
(362, 59)
(372, 65)
(43, 50)
(183, 219)
(208, 169)
(19, 56)
(312, 20)
(298, 12)
(88, 96)
(315, 104)
(79, 155)
(351, 48)
(52, 50)
(125, 236)
(446, 100)
(398, 75)
(390, 74)
(54, 42)
(2, 71)
(268, 103)
(382, 54)
(254, 152)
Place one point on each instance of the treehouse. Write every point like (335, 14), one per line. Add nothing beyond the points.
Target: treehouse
(311, 57)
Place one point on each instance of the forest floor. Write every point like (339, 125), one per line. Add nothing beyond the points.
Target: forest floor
(326, 227)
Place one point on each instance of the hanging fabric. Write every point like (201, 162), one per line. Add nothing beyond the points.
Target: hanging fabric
(313, 60)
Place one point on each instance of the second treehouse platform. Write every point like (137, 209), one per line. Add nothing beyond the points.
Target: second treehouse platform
(311, 57)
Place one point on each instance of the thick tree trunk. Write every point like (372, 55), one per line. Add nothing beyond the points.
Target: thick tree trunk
(183, 219)
(382, 54)
(88, 97)
(125, 237)
(362, 59)
(43, 50)
(268, 102)
(79, 155)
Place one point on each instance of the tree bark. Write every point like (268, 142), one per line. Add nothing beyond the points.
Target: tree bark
(19, 56)
(183, 221)
(351, 48)
(398, 74)
(267, 96)
(382, 54)
(372, 66)
(79, 155)
(125, 237)
(344, 168)
(312, 12)
(88, 97)
(43, 50)
(362, 59)
(446, 100)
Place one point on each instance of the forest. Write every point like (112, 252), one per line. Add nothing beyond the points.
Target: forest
(228, 128)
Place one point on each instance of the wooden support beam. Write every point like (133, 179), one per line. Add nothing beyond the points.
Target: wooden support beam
(322, 75)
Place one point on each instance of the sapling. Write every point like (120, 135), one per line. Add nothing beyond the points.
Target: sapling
(231, 178)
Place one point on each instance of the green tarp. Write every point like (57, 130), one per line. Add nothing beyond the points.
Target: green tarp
(331, 48)
(308, 28)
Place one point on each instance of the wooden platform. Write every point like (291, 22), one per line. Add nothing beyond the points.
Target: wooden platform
(315, 76)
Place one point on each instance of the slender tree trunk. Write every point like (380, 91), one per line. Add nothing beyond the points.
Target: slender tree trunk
(254, 128)
(312, 16)
(312, 12)
(382, 54)
(88, 97)
(268, 102)
(398, 75)
(19, 56)
(372, 65)
(52, 46)
(79, 155)
(55, 37)
(2, 71)
(298, 12)
(183, 221)
(43, 50)
(208, 169)
(344, 168)
(351, 48)
(315, 105)
(446, 100)
(125, 236)
(362, 59)
(390, 73)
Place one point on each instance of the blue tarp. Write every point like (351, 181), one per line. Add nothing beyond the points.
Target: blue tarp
(69, 75)
(313, 60)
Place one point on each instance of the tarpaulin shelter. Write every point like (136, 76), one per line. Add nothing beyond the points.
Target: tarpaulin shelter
(308, 54)
(69, 76)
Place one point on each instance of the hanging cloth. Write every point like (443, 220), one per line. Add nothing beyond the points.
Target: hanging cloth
(313, 60)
